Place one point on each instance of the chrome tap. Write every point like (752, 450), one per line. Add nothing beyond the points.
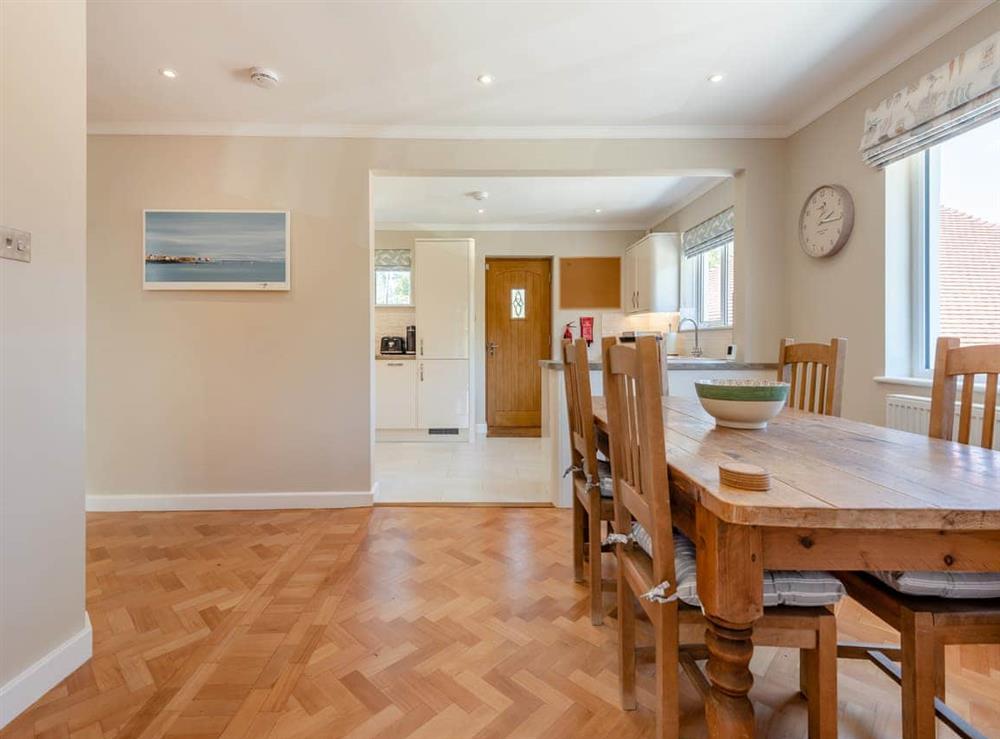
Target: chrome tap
(696, 351)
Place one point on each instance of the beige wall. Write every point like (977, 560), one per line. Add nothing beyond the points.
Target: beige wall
(845, 295)
(521, 244)
(213, 392)
(42, 190)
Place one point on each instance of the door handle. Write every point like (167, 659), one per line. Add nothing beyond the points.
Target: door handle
(492, 348)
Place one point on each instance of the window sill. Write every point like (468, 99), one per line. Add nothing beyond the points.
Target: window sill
(703, 329)
(907, 381)
(924, 382)
(401, 305)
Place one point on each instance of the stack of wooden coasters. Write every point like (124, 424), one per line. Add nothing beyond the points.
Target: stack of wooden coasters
(744, 476)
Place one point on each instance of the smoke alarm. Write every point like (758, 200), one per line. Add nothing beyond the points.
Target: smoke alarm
(479, 195)
(264, 77)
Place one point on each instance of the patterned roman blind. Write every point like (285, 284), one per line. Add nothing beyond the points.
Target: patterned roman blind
(951, 100)
(393, 260)
(709, 234)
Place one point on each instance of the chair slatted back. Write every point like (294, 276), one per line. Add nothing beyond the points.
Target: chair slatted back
(951, 362)
(816, 375)
(580, 408)
(632, 387)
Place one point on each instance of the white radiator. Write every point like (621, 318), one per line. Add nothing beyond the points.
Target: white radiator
(913, 413)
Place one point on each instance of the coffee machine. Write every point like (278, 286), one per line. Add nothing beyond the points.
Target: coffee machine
(411, 339)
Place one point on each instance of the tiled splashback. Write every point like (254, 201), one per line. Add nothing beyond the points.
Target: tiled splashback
(393, 322)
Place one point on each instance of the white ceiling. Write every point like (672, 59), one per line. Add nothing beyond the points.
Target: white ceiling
(627, 203)
(561, 68)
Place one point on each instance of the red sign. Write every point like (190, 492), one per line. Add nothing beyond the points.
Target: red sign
(587, 328)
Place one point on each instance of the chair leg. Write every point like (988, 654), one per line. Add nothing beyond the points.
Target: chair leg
(667, 666)
(594, 545)
(626, 643)
(919, 684)
(818, 680)
(939, 671)
(579, 522)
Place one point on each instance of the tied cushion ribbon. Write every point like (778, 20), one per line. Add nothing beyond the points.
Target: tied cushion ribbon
(618, 539)
(659, 594)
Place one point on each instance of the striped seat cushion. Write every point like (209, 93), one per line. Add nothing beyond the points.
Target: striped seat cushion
(604, 477)
(781, 587)
(944, 584)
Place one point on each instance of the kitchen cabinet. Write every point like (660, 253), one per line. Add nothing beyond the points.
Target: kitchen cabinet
(442, 393)
(442, 291)
(395, 394)
(651, 274)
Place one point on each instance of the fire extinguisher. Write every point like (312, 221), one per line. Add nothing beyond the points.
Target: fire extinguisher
(568, 332)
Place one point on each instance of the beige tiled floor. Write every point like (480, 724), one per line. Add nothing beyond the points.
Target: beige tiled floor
(484, 471)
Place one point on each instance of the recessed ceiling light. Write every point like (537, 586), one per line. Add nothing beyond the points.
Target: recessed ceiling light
(717, 77)
(169, 73)
(481, 210)
(597, 210)
(486, 79)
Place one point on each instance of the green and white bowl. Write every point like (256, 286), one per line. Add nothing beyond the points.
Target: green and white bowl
(742, 404)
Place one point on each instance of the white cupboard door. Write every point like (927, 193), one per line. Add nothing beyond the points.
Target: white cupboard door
(443, 393)
(628, 282)
(643, 275)
(441, 292)
(395, 394)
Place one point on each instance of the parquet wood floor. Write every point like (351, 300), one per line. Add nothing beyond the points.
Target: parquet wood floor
(392, 622)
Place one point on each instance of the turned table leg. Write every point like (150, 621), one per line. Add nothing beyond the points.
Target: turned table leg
(730, 585)
(728, 711)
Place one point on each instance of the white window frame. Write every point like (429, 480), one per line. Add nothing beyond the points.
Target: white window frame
(697, 278)
(925, 189)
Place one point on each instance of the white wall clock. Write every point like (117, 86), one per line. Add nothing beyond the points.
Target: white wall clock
(826, 221)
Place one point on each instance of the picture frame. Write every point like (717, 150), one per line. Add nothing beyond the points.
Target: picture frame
(216, 249)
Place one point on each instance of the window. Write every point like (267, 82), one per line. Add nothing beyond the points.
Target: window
(707, 278)
(955, 208)
(393, 277)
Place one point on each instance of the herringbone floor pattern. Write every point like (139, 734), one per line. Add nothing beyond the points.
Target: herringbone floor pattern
(393, 622)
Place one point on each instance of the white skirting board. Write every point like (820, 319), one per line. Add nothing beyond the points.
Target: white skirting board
(229, 501)
(22, 690)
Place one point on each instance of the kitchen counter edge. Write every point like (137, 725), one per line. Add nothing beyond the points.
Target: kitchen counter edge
(680, 364)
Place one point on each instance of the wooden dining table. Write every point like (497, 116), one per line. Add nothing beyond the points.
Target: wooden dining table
(844, 495)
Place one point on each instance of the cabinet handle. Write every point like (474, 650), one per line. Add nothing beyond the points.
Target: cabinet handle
(395, 364)
(421, 347)
(421, 371)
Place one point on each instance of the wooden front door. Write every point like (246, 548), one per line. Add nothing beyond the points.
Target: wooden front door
(518, 334)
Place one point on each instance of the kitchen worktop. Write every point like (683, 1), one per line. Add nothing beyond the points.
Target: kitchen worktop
(392, 357)
(682, 363)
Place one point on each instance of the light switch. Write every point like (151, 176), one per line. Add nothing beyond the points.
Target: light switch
(15, 244)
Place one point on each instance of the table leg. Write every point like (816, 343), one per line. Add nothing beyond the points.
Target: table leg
(730, 585)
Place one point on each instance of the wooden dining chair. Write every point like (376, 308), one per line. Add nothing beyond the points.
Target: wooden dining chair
(816, 374)
(657, 565)
(934, 609)
(592, 505)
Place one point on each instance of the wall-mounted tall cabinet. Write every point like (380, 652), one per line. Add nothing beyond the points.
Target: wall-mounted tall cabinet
(441, 288)
(651, 274)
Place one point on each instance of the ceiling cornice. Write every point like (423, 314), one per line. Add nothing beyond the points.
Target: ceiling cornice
(282, 130)
(396, 226)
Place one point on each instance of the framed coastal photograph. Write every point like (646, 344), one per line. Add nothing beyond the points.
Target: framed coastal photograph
(216, 250)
